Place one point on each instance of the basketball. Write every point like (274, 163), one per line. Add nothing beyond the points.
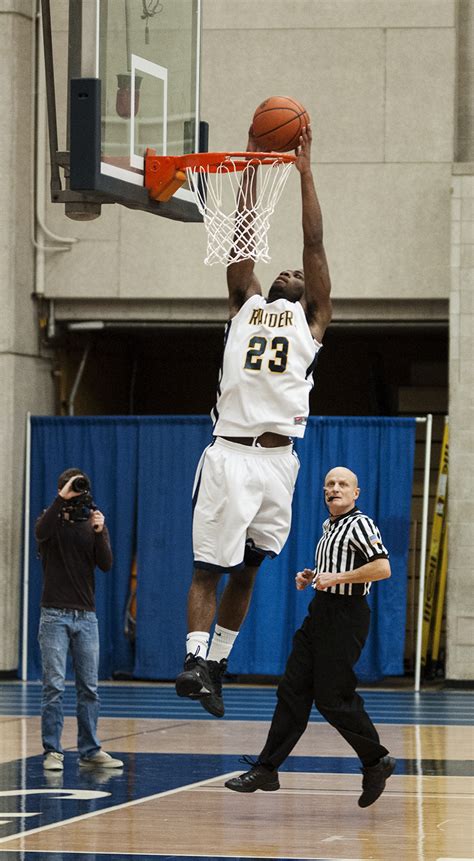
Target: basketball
(277, 124)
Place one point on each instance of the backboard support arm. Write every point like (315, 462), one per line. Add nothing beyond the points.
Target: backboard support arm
(50, 96)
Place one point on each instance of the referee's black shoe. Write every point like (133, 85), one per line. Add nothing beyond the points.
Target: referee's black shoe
(374, 779)
(258, 777)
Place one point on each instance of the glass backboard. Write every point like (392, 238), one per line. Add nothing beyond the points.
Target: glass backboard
(137, 63)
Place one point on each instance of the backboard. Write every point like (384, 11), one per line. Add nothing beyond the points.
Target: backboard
(133, 70)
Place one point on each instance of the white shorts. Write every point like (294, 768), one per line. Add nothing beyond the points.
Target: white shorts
(240, 493)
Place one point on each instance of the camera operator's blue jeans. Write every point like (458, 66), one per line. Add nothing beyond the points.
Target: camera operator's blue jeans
(59, 632)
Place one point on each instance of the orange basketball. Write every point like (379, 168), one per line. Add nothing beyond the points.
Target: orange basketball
(277, 124)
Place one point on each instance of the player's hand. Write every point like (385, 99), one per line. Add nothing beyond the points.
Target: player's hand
(66, 492)
(303, 150)
(304, 578)
(324, 580)
(97, 519)
(252, 145)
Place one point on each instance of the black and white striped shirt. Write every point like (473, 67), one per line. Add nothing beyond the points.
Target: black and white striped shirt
(348, 542)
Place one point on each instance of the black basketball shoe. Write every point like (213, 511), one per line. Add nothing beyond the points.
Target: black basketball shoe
(374, 779)
(195, 680)
(258, 777)
(213, 703)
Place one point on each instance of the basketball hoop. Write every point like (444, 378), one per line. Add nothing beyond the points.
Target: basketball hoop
(236, 230)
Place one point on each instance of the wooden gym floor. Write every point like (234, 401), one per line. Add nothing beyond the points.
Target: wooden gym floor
(169, 800)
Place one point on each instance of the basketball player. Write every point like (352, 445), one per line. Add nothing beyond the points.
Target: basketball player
(245, 479)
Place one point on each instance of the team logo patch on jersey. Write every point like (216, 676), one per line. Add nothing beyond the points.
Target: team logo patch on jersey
(300, 420)
(374, 539)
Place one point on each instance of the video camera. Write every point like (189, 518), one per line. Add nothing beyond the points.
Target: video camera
(79, 507)
(80, 484)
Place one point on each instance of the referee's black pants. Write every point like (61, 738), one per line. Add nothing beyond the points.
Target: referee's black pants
(319, 670)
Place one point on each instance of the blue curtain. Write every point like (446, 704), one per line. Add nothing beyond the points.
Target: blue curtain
(106, 449)
(169, 450)
(143, 470)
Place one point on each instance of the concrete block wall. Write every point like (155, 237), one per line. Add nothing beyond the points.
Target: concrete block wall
(25, 380)
(460, 602)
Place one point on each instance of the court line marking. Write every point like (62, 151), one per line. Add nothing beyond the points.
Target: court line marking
(466, 796)
(346, 793)
(234, 694)
(423, 720)
(258, 707)
(164, 689)
(114, 807)
(168, 855)
(194, 855)
(162, 709)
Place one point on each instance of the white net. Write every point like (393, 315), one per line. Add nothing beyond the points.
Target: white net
(237, 229)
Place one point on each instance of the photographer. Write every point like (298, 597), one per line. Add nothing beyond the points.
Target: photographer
(72, 539)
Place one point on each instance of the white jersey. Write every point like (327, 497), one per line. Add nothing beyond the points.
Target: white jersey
(267, 370)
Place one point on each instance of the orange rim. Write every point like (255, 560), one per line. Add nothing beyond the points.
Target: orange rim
(212, 161)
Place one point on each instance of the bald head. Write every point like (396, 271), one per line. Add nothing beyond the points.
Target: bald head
(342, 472)
(341, 489)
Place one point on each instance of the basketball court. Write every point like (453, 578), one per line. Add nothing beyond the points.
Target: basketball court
(169, 800)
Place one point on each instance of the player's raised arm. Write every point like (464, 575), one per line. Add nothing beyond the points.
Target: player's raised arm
(315, 266)
(241, 279)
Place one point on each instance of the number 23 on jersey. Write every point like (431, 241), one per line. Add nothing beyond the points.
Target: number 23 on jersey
(271, 353)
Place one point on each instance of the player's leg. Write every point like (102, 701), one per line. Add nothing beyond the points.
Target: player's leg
(235, 600)
(222, 509)
(226, 498)
(202, 602)
(275, 471)
(267, 491)
(233, 608)
(195, 681)
(269, 529)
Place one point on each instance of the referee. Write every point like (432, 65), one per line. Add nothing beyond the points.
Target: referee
(350, 555)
